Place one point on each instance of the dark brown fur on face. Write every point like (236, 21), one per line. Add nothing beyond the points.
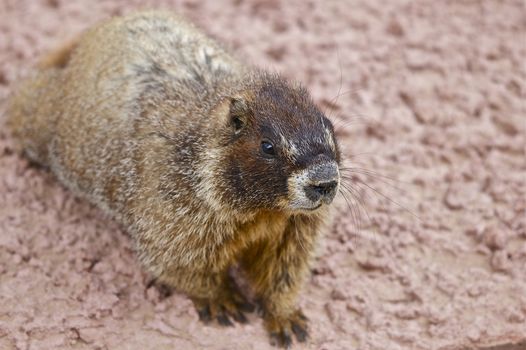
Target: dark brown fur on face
(274, 112)
(206, 162)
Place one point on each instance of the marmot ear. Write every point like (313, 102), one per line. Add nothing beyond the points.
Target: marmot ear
(238, 114)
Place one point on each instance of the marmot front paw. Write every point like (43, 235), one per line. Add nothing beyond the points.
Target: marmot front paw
(228, 304)
(281, 328)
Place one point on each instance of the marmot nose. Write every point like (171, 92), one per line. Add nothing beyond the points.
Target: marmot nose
(323, 190)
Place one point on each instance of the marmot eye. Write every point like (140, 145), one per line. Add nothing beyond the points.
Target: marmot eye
(267, 148)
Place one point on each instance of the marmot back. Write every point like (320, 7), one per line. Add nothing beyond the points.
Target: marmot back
(206, 162)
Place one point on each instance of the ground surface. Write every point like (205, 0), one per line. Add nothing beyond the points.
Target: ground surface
(432, 95)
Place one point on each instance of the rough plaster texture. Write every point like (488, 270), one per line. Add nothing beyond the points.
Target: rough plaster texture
(429, 94)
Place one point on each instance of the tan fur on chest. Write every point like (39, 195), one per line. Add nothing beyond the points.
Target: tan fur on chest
(266, 225)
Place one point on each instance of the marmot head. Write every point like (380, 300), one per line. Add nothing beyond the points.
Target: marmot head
(281, 152)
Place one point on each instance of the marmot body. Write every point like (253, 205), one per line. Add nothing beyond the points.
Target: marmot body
(206, 162)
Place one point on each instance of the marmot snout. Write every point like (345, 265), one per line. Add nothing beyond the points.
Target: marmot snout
(206, 162)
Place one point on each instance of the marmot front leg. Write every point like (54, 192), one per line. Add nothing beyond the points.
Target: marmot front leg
(277, 269)
(214, 294)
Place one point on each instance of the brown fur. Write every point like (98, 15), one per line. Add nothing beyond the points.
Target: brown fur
(159, 126)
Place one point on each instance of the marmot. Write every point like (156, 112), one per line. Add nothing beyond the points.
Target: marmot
(205, 161)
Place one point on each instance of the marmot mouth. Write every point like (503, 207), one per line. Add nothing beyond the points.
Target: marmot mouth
(314, 208)
(309, 208)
